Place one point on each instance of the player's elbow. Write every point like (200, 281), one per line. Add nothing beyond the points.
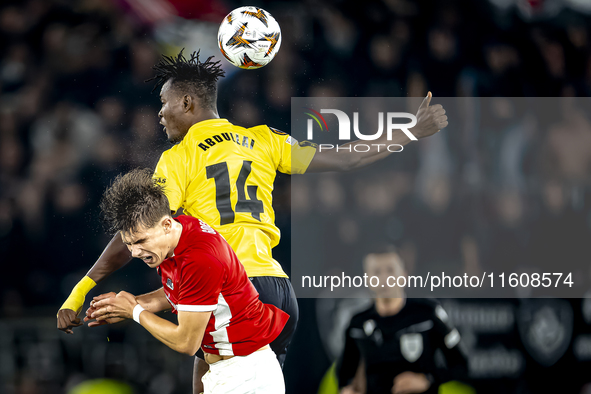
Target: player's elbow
(189, 348)
(190, 351)
(186, 344)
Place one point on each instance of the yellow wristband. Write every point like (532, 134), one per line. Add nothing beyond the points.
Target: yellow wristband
(75, 301)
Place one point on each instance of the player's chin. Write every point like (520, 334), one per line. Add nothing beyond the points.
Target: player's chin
(174, 138)
(153, 263)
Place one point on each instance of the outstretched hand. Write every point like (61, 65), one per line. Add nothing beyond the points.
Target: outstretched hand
(430, 119)
(110, 308)
(67, 319)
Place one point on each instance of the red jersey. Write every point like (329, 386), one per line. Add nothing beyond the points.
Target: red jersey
(204, 275)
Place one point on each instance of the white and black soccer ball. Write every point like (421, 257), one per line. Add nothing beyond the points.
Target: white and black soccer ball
(249, 37)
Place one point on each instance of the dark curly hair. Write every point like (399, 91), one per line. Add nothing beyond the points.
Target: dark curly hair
(132, 201)
(190, 75)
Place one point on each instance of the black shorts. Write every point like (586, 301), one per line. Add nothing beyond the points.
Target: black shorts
(278, 291)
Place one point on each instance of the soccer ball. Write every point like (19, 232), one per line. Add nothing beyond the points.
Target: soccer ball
(249, 37)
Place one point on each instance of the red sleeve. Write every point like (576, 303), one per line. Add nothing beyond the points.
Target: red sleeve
(200, 285)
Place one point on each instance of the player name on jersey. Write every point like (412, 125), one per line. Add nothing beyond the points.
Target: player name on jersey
(224, 137)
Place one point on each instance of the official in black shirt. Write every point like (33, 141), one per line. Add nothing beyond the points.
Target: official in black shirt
(393, 344)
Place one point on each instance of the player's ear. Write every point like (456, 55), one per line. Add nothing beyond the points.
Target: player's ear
(187, 102)
(167, 224)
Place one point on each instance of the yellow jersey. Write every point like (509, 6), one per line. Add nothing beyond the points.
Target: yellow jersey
(224, 174)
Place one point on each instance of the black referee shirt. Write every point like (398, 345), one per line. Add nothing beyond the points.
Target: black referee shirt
(406, 341)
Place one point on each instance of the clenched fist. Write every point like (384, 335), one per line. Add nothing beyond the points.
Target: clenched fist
(67, 319)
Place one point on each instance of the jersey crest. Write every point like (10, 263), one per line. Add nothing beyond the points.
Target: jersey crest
(369, 327)
(277, 131)
(411, 346)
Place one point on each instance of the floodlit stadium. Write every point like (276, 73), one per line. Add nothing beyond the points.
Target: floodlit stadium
(455, 264)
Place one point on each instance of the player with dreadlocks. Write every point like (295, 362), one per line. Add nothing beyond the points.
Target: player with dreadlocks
(223, 174)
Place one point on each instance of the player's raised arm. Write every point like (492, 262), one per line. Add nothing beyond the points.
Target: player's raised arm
(115, 256)
(430, 119)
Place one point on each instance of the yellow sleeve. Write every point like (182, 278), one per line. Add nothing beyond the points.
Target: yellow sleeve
(76, 298)
(294, 156)
(171, 173)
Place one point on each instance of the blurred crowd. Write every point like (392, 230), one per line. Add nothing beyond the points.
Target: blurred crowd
(75, 111)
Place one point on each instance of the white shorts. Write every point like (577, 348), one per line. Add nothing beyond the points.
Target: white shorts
(257, 373)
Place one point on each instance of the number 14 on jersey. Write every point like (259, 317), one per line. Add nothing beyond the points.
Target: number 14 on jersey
(219, 172)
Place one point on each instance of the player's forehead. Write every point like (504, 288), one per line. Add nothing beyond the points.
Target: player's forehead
(174, 90)
(170, 89)
(141, 233)
(166, 89)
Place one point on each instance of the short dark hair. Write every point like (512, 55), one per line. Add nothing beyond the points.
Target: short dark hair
(134, 199)
(192, 75)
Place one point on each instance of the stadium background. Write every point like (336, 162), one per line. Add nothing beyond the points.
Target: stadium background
(74, 112)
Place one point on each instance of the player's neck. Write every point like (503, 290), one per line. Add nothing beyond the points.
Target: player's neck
(205, 114)
(389, 306)
(175, 237)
